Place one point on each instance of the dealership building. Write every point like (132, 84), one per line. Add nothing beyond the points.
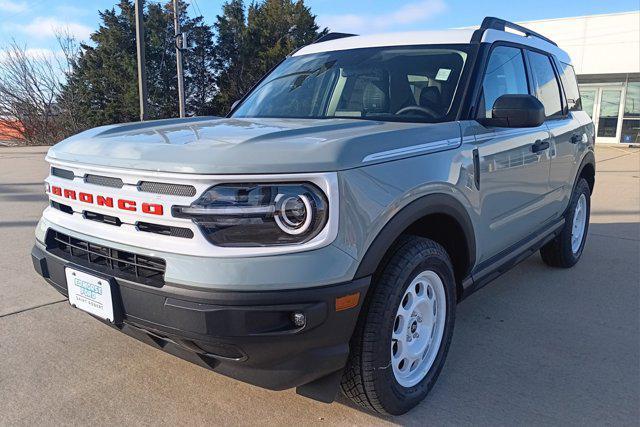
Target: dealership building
(605, 50)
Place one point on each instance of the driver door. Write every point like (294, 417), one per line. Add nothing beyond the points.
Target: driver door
(514, 165)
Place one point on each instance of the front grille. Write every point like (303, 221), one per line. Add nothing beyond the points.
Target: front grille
(165, 230)
(122, 264)
(106, 219)
(104, 181)
(62, 173)
(61, 207)
(168, 189)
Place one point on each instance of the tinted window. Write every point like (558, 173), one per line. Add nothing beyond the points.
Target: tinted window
(547, 89)
(394, 84)
(505, 75)
(570, 84)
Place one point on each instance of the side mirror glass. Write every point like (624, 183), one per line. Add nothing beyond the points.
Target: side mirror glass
(516, 111)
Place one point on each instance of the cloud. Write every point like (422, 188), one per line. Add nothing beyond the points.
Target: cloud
(11, 6)
(410, 13)
(47, 27)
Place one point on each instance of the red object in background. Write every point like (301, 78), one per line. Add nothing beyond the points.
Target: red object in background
(10, 130)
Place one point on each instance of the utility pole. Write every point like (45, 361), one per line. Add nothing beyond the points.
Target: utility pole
(142, 71)
(180, 45)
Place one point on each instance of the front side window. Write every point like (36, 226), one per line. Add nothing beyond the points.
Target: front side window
(505, 75)
(415, 84)
(547, 89)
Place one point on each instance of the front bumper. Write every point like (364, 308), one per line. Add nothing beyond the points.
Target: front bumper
(249, 336)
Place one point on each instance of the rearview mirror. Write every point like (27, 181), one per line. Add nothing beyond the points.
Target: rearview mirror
(516, 111)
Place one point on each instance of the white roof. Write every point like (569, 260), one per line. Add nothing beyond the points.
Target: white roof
(460, 36)
(389, 39)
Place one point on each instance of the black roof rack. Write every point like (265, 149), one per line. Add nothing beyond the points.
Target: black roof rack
(491, 23)
(333, 36)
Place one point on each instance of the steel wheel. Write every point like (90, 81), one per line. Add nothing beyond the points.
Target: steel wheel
(579, 223)
(418, 328)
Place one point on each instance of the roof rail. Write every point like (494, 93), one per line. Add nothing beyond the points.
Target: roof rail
(332, 36)
(491, 23)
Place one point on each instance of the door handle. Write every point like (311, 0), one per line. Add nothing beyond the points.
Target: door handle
(540, 145)
(575, 138)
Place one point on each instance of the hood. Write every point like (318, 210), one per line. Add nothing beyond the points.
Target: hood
(209, 145)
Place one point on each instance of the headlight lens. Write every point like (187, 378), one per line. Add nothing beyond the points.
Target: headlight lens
(247, 214)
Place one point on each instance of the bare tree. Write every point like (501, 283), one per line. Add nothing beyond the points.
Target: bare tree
(70, 52)
(29, 85)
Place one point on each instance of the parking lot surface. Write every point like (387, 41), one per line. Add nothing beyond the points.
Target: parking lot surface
(537, 346)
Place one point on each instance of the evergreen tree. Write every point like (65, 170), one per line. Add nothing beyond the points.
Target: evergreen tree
(103, 83)
(249, 45)
(102, 86)
(103, 80)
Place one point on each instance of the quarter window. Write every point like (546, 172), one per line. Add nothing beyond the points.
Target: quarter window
(505, 75)
(570, 83)
(547, 89)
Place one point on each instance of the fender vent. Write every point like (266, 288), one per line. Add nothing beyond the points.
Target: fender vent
(168, 189)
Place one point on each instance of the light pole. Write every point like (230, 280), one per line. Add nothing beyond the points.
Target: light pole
(180, 45)
(142, 73)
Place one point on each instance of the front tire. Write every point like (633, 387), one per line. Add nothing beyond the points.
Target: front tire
(403, 334)
(565, 250)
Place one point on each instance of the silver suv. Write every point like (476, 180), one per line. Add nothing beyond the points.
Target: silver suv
(322, 234)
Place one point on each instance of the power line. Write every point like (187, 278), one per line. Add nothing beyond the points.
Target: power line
(198, 7)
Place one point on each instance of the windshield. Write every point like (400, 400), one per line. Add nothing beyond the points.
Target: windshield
(390, 83)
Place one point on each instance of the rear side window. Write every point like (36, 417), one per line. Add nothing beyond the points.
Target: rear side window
(547, 88)
(505, 75)
(570, 84)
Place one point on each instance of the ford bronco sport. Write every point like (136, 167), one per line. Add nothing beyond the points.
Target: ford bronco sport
(321, 235)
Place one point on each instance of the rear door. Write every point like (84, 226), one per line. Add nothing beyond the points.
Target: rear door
(567, 133)
(514, 176)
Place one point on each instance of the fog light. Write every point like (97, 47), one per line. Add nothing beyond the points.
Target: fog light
(298, 319)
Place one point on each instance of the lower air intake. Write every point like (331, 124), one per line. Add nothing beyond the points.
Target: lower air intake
(121, 264)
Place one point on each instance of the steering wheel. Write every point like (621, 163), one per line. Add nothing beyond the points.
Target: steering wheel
(419, 109)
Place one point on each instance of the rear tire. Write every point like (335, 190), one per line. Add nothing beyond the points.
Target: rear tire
(565, 250)
(404, 331)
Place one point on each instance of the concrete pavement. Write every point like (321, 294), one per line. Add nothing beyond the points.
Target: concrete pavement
(538, 346)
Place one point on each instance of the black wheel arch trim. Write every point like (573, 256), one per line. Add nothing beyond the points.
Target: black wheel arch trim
(437, 203)
(588, 159)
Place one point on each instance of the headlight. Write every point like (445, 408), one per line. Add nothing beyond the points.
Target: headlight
(247, 214)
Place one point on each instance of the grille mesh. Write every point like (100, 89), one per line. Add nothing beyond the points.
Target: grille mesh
(105, 181)
(168, 189)
(165, 230)
(62, 173)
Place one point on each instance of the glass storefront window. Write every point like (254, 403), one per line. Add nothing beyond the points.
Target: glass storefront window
(632, 101)
(631, 118)
(588, 98)
(609, 112)
(630, 131)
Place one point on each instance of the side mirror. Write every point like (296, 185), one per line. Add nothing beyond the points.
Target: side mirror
(516, 111)
(234, 105)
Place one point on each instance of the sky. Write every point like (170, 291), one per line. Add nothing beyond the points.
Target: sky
(34, 23)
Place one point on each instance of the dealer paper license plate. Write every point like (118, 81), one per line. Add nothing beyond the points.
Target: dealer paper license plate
(90, 293)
